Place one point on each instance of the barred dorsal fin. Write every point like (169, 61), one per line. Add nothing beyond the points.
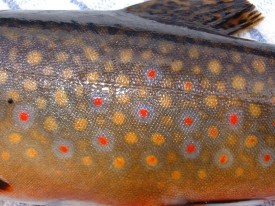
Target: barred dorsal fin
(216, 16)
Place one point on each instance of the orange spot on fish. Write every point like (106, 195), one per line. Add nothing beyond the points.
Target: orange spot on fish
(98, 101)
(267, 157)
(233, 119)
(63, 149)
(143, 113)
(152, 74)
(190, 148)
(213, 132)
(152, 160)
(102, 140)
(24, 116)
(188, 121)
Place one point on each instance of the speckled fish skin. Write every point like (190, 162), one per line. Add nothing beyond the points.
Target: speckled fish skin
(133, 112)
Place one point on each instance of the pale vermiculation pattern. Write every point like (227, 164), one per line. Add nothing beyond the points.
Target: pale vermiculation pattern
(160, 115)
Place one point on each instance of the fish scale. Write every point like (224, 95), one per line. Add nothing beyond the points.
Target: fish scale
(123, 110)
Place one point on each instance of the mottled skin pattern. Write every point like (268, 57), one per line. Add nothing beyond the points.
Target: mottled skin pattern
(123, 116)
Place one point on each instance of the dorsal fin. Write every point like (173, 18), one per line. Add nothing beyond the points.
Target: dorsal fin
(215, 16)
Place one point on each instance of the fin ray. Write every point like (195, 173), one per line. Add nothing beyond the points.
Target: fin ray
(215, 16)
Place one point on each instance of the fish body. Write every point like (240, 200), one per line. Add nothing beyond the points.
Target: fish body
(117, 109)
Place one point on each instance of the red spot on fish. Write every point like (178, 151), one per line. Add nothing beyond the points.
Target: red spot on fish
(24, 116)
(223, 159)
(63, 148)
(151, 73)
(273, 123)
(102, 140)
(188, 121)
(267, 157)
(187, 86)
(190, 148)
(143, 112)
(98, 101)
(233, 119)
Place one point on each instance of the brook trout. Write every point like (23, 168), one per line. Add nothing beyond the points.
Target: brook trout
(151, 105)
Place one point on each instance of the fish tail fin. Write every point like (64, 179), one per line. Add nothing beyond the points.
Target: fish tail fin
(215, 16)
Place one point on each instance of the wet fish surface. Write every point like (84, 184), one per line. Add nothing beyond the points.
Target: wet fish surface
(151, 105)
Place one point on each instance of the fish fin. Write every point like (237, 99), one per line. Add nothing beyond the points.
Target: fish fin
(215, 16)
(4, 186)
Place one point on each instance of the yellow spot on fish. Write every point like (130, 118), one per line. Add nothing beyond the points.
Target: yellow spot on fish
(50, 123)
(231, 140)
(220, 86)
(87, 160)
(270, 140)
(211, 101)
(151, 160)
(41, 103)
(251, 141)
(166, 120)
(48, 70)
(79, 90)
(202, 174)
(34, 57)
(29, 85)
(258, 87)
(238, 82)
(172, 156)
(147, 54)
(258, 65)
(13, 94)
(177, 65)
(254, 110)
(61, 97)
(205, 83)
(5, 155)
(31, 152)
(165, 47)
(158, 139)
(196, 70)
(126, 55)
(131, 138)
(239, 172)
(15, 138)
(13, 54)
(109, 66)
(165, 101)
(119, 162)
(123, 98)
(118, 118)
(92, 77)
(142, 93)
(80, 124)
(67, 73)
(3, 77)
(236, 57)
(62, 56)
(122, 80)
(176, 175)
(193, 53)
(214, 67)
(91, 54)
